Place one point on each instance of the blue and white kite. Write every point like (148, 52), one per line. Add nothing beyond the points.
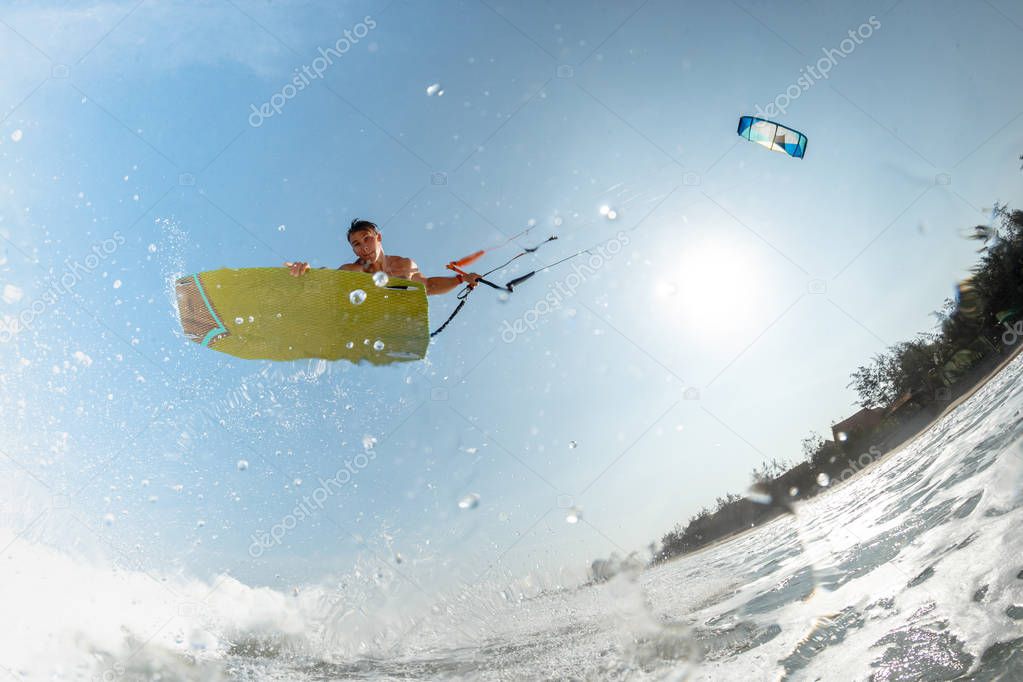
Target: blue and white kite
(774, 136)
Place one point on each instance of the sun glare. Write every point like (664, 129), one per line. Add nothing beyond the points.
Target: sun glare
(714, 290)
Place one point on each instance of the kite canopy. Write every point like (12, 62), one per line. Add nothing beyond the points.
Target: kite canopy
(774, 136)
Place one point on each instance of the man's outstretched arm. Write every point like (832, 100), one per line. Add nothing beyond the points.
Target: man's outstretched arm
(442, 285)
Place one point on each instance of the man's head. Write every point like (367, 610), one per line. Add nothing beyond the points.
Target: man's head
(365, 240)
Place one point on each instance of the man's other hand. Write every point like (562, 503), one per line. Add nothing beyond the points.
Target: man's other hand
(297, 268)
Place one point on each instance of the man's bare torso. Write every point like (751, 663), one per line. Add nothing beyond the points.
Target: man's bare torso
(395, 266)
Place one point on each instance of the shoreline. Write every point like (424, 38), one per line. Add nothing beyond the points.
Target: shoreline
(969, 394)
(980, 383)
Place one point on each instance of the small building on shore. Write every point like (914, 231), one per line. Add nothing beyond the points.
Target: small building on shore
(864, 420)
(902, 402)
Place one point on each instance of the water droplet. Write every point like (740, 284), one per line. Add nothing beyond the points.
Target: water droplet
(503, 297)
(297, 481)
(152, 248)
(117, 284)
(251, 318)
(16, 135)
(368, 442)
(572, 444)
(239, 320)
(378, 345)
(108, 519)
(434, 89)
(574, 515)
(243, 464)
(470, 501)
(557, 221)
(357, 297)
(823, 480)
(281, 228)
(380, 278)
(604, 210)
(793, 491)
(350, 345)
(278, 316)
(611, 215)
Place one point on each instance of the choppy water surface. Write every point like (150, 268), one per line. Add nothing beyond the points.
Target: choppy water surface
(911, 570)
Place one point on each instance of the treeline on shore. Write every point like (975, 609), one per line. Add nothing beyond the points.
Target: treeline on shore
(901, 390)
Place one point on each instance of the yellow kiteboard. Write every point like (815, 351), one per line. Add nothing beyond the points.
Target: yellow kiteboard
(267, 314)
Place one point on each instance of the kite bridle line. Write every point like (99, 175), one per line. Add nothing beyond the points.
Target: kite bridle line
(457, 265)
(463, 295)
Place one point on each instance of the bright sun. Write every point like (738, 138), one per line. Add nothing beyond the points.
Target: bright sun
(714, 290)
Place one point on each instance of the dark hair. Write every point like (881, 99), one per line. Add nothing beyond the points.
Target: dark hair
(359, 225)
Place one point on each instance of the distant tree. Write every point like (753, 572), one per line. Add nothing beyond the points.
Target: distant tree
(955, 330)
(699, 516)
(917, 359)
(948, 309)
(826, 454)
(996, 285)
(768, 471)
(811, 445)
(906, 366)
(876, 384)
(729, 499)
(998, 278)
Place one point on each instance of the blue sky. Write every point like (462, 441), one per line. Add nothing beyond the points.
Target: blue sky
(755, 281)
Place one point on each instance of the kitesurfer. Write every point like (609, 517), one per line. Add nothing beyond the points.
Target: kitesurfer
(367, 244)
